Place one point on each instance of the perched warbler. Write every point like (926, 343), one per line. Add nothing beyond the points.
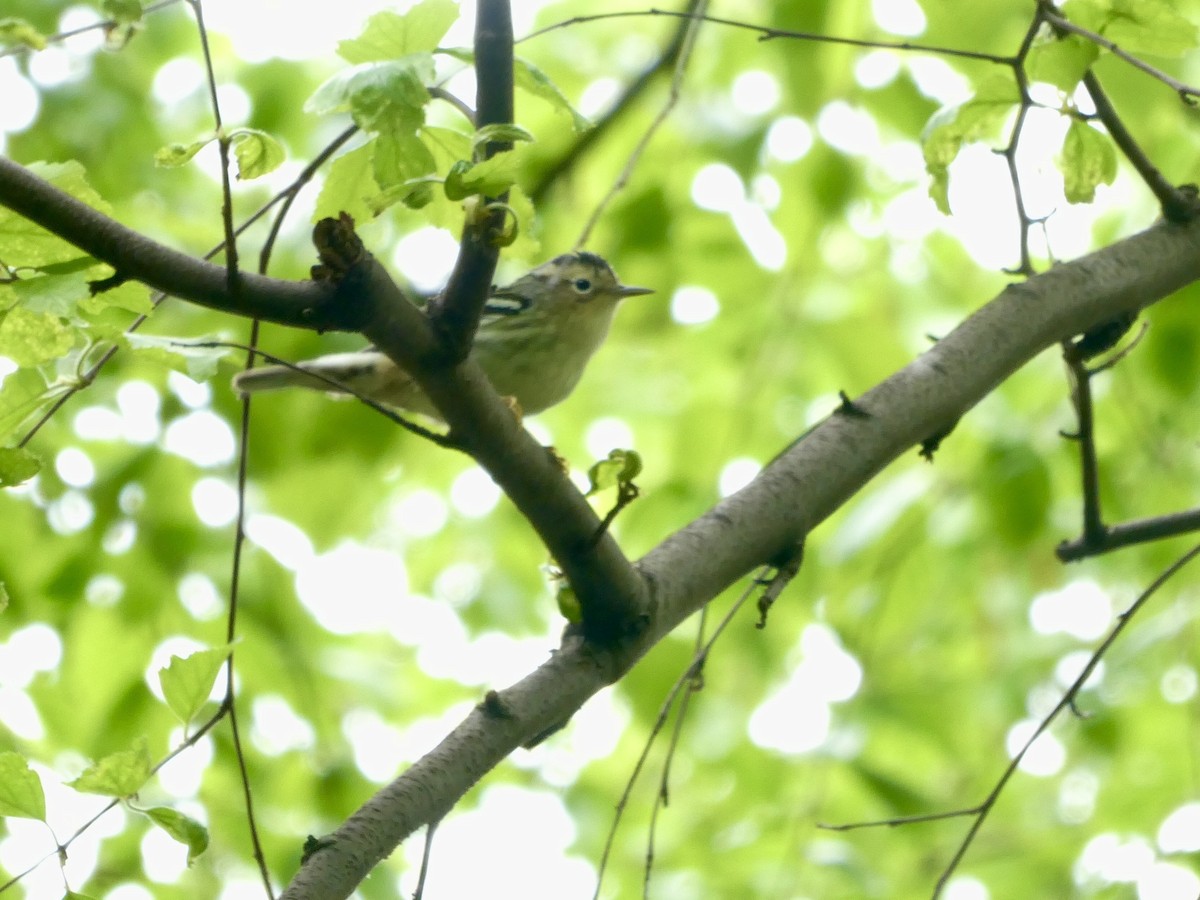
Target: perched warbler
(533, 342)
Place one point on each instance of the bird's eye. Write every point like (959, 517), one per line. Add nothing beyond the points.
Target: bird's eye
(582, 285)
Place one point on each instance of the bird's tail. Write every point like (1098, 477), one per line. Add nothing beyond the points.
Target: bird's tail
(340, 367)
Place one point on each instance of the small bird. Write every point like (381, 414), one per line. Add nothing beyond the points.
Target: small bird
(534, 339)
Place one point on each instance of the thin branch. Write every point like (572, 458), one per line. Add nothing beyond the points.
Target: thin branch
(1085, 436)
(1126, 534)
(137, 257)
(1178, 205)
(103, 24)
(1187, 93)
(681, 61)
(455, 314)
(767, 33)
(552, 174)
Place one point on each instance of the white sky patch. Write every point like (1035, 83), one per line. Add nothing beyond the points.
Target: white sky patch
(55, 66)
(426, 256)
(276, 728)
(901, 17)
(1112, 859)
(285, 541)
(1077, 796)
(966, 887)
(375, 744)
(938, 80)
(766, 191)
(193, 394)
(97, 423)
(473, 493)
(789, 138)
(201, 437)
(1080, 608)
(29, 650)
(877, 68)
(20, 107)
(215, 502)
(694, 305)
(797, 716)
(605, 434)
(847, 128)
(21, 717)
(717, 187)
(1180, 830)
(235, 103)
(593, 733)
(119, 537)
(138, 404)
(755, 92)
(1046, 756)
(164, 859)
(419, 513)
(199, 596)
(458, 584)
(598, 96)
(1071, 666)
(354, 588)
(761, 238)
(736, 474)
(176, 80)
(75, 467)
(502, 854)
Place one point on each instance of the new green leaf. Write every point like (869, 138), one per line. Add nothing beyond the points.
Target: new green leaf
(120, 774)
(1088, 159)
(187, 681)
(21, 794)
(182, 828)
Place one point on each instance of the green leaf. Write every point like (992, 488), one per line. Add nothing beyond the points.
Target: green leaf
(187, 681)
(174, 155)
(1062, 62)
(21, 794)
(19, 33)
(502, 132)
(529, 77)
(568, 603)
(389, 35)
(978, 118)
(1087, 159)
(257, 152)
(350, 186)
(52, 295)
(1149, 27)
(182, 828)
(130, 296)
(27, 244)
(17, 465)
(618, 470)
(377, 94)
(31, 338)
(123, 12)
(401, 158)
(199, 363)
(120, 774)
(23, 393)
(489, 178)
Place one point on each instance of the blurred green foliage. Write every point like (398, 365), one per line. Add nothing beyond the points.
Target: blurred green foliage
(926, 579)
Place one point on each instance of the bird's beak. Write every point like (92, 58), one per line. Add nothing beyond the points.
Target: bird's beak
(626, 290)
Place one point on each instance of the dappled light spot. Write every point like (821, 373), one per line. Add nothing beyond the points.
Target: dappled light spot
(177, 80)
(755, 92)
(75, 467)
(420, 513)
(139, 405)
(1046, 755)
(598, 96)
(1180, 830)
(458, 584)
(966, 887)
(202, 438)
(98, 423)
(276, 728)
(1071, 666)
(215, 502)
(164, 859)
(353, 588)
(199, 596)
(426, 256)
(877, 68)
(717, 187)
(104, 590)
(1178, 684)
(789, 138)
(70, 513)
(1080, 608)
(736, 474)
(1077, 796)
(193, 394)
(29, 650)
(285, 541)
(473, 493)
(901, 17)
(694, 305)
(607, 433)
(119, 537)
(21, 104)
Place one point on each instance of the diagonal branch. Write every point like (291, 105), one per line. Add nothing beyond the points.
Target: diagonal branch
(800, 489)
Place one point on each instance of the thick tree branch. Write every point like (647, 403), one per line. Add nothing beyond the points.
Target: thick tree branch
(456, 312)
(136, 257)
(800, 489)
